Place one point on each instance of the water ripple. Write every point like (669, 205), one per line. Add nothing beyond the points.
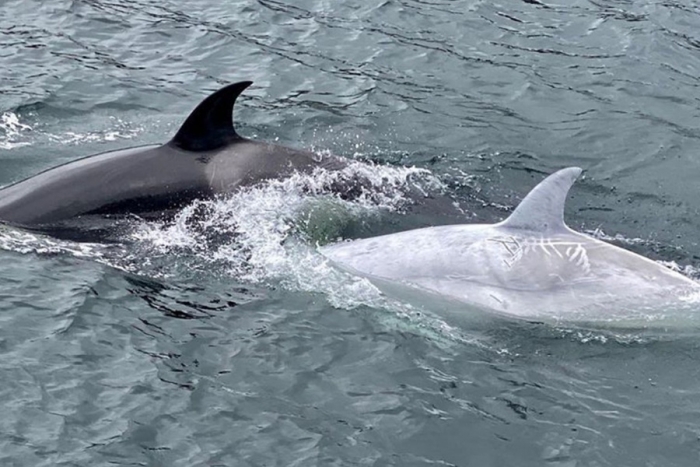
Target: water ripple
(162, 353)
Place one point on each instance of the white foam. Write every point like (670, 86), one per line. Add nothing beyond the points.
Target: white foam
(118, 130)
(264, 235)
(24, 242)
(13, 131)
(248, 233)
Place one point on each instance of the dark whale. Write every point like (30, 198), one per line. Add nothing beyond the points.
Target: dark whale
(205, 158)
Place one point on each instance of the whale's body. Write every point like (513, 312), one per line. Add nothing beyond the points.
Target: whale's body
(529, 266)
(206, 157)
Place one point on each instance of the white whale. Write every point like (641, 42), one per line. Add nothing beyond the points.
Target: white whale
(529, 266)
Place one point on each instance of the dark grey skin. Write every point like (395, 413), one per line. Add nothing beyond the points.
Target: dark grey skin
(206, 157)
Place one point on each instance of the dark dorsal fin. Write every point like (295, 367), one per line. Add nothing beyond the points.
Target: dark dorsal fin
(542, 210)
(210, 125)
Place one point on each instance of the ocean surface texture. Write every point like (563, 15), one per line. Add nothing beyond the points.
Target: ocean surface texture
(225, 339)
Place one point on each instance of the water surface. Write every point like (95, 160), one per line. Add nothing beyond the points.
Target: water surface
(233, 343)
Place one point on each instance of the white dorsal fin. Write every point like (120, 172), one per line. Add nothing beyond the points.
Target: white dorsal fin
(543, 208)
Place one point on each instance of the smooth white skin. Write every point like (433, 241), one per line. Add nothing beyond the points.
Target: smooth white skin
(519, 272)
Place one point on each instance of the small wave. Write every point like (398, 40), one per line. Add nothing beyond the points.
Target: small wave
(687, 270)
(20, 241)
(601, 235)
(13, 131)
(118, 130)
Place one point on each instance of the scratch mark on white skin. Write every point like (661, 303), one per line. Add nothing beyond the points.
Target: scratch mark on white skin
(553, 245)
(516, 249)
(542, 243)
(513, 247)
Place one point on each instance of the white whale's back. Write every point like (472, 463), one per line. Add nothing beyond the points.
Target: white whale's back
(529, 266)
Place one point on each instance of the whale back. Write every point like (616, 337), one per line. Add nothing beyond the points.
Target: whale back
(531, 265)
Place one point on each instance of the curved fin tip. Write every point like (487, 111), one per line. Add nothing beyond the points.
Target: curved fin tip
(210, 125)
(543, 208)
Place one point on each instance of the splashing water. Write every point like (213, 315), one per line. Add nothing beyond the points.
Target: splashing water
(23, 242)
(267, 234)
(118, 129)
(13, 133)
(13, 129)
